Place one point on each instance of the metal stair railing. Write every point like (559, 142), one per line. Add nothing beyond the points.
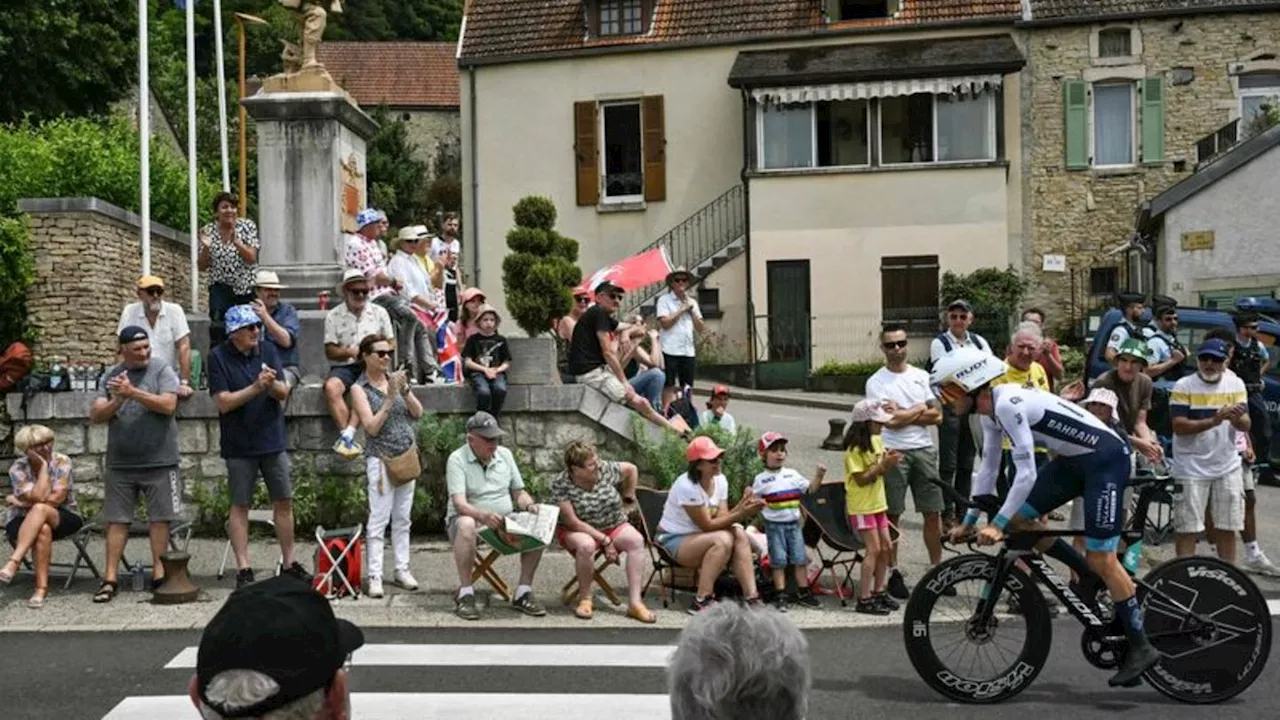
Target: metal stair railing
(696, 240)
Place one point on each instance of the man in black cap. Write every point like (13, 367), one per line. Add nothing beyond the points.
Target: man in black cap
(275, 648)
(1131, 305)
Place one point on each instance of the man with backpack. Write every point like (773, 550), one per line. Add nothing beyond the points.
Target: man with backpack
(955, 440)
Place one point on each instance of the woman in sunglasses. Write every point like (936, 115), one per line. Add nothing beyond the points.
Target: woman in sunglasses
(562, 329)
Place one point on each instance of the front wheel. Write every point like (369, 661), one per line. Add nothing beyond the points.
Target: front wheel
(1211, 625)
(967, 659)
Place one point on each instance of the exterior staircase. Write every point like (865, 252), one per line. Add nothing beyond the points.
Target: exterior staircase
(702, 243)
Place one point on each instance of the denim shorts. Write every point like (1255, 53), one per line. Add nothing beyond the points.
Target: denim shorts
(786, 543)
(670, 542)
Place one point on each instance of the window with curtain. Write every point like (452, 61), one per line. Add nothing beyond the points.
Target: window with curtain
(1256, 91)
(786, 136)
(906, 129)
(622, 153)
(1113, 124)
(965, 129)
(1115, 42)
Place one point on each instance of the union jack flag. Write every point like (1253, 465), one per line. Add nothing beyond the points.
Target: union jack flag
(448, 353)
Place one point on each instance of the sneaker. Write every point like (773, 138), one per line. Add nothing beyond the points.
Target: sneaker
(349, 449)
(527, 605)
(869, 606)
(884, 599)
(244, 577)
(375, 587)
(1139, 659)
(297, 571)
(465, 607)
(405, 579)
(700, 604)
(1260, 565)
(780, 602)
(897, 586)
(806, 598)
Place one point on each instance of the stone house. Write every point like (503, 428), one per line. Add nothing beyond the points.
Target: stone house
(416, 81)
(1122, 100)
(819, 163)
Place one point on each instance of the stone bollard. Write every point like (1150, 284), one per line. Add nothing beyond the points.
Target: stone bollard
(177, 587)
(835, 439)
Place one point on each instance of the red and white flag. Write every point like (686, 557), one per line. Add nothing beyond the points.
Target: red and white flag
(632, 273)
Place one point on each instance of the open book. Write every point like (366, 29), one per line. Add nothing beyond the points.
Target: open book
(524, 531)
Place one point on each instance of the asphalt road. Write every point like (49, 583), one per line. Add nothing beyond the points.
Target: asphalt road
(857, 674)
(805, 427)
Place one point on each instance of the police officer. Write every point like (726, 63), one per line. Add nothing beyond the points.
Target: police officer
(1250, 361)
(1132, 305)
(1167, 352)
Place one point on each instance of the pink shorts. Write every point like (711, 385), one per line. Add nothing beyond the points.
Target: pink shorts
(872, 521)
(562, 533)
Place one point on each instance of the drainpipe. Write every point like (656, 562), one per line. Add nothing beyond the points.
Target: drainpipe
(474, 230)
(746, 227)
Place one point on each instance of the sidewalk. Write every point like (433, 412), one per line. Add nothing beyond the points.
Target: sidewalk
(795, 398)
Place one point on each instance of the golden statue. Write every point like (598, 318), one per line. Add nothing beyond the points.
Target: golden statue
(302, 71)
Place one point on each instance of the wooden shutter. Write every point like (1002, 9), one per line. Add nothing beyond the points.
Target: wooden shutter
(655, 148)
(1153, 121)
(1075, 123)
(586, 152)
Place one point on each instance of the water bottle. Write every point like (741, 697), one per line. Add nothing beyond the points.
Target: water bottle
(57, 380)
(138, 579)
(1131, 557)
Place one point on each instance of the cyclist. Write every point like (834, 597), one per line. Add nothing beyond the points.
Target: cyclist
(1091, 461)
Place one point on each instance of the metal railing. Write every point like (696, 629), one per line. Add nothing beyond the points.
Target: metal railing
(1217, 142)
(696, 239)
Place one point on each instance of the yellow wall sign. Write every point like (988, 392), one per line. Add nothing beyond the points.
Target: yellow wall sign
(1199, 240)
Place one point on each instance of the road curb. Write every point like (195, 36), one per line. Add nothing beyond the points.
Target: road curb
(818, 403)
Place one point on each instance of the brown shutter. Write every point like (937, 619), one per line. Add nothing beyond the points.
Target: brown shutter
(655, 148)
(586, 150)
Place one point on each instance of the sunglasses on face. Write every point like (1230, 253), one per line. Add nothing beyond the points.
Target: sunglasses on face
(583, 300)
(1250, 327)
(358, 292)
(154, 292)
(384, 354)
(894, 344)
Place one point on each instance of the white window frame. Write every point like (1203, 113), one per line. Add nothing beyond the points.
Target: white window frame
(933, 102)
(605, 197)
(1270, 91)
(813, 142)
(621, 10)
(1133, 125)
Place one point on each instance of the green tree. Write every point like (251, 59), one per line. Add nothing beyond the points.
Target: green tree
(397, 180)
(540, 272)
(995, 295)
(72, 57)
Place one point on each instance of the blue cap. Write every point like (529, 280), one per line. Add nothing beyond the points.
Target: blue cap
(1213, 348)
(132, 333)
(368, 216)
(241, 316)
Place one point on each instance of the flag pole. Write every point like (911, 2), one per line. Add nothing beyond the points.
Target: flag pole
(191, 152)
(222, 95)
(144, 138)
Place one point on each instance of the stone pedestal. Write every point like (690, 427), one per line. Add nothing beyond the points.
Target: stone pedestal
(311, 183)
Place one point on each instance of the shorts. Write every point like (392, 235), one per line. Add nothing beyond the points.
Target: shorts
(919, 467)
(786, 543)
(605, 381)
(670, 543)
(242, 471)
(69, 524)
(1250, 477)
(161, 486)
(680, 369)
(1224, 496)
(292, 376)
(1096, 481)
(870, 521)
(348, 374)
(612, 533)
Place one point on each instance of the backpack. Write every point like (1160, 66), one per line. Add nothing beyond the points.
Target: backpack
(15, 363)
(944, 337)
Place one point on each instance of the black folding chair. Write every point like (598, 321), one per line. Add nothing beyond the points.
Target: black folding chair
(79, 539)
(825, 522)
(665, 567)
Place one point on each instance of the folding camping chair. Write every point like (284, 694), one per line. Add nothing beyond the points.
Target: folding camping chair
(826, 522)
(484, 569)
(566, 592)
(345, 565)
(671, 575)
(79, 539)
(260, 517)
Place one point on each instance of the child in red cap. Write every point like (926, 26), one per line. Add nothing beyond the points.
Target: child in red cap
(781, 489)
(717, 412)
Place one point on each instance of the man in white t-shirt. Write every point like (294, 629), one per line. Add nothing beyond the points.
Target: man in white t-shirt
(166, 323)
(1205, 408)
(679, 316)
(905, 393)
(448, 239)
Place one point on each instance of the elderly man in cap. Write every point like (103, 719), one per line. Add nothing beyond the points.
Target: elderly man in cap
(166, 326)
(140, 396)
(956, 447)
(593, 354)
(246, 381)
(344, 327)
(280, 324)
(1206, 407)
(484, 485)
(275, 650)
(1132, 306)
(679, 316)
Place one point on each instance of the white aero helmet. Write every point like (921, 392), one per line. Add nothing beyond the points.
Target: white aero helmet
(963, 372)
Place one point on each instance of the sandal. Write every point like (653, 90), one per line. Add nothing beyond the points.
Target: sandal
(37, 600)
(106, 592)
(584, 611)
(6, 576)
(641, 613)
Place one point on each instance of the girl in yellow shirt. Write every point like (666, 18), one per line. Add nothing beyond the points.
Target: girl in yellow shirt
(865, 464)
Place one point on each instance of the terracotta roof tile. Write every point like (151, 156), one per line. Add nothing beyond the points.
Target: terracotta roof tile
(1087, 9)
(399, 74)
(950, 10)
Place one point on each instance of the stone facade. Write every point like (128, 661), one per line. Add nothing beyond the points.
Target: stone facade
(1084, 214)
(88, 259)
(435, 133)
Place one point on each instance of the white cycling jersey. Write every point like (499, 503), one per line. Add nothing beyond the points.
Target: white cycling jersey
(1029, 417)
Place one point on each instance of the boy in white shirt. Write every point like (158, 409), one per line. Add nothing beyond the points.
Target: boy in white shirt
(781, 489)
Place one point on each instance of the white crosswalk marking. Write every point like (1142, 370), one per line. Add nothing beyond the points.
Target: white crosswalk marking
(1274, 606)
(451, 705)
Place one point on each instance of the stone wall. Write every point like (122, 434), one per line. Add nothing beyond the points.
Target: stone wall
(1082, 214)
(431, 130)
(88, 259)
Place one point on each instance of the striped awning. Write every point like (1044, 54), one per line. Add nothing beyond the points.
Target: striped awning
(965, 85)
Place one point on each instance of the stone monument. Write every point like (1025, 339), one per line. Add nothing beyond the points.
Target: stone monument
(311, 163)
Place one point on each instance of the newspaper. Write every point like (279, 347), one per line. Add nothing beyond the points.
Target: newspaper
(524, 531)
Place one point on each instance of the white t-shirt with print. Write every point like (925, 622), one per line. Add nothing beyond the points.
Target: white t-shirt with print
(687, 493)
(171, 326)
(677, 340)
(907, 388)
(781, 491)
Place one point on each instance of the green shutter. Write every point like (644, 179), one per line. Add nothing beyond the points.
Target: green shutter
(1153, 121)
(1075, 103)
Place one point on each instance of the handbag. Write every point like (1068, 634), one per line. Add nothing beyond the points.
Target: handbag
(404, 467)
